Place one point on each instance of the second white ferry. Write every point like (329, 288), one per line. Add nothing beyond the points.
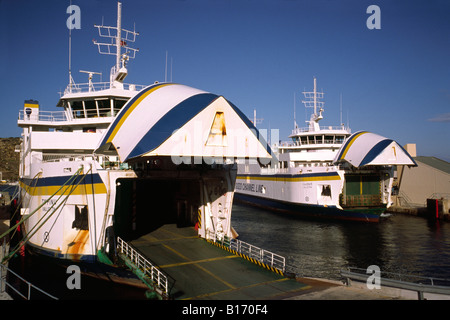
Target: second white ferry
(325, 172)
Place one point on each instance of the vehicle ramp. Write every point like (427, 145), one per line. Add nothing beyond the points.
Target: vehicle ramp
(200, 269)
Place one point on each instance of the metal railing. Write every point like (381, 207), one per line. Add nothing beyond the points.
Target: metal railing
(402, 281)
(151, 271)
(51, 116)
(439, 196)
(60, 116)
(273, 260)
(307, 129)
(98, 86)
(4, 270)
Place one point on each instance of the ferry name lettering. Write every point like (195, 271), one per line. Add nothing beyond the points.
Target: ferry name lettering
(50, 203)
(250, 187)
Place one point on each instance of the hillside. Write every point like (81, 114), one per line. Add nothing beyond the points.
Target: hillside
(9, 160)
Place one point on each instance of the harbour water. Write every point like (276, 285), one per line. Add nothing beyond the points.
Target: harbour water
(401, 244)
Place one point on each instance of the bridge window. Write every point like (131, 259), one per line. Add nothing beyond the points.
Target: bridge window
(118, 104)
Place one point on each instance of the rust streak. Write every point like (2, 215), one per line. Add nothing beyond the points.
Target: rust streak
(79, 242)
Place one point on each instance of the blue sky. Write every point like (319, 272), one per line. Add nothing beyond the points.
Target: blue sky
(394, 81)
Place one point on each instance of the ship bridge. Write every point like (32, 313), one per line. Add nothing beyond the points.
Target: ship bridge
(182, 144)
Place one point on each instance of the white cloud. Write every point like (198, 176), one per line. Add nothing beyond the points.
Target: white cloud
(445, 117)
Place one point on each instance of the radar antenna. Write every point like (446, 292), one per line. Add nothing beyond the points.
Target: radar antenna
(91, 74)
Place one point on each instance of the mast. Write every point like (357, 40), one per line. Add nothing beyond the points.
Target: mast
(120, 38)
(119, 34)
(315, 96)
(313, 101)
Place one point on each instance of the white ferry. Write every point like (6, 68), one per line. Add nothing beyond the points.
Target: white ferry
(325, 172)
(123, 159)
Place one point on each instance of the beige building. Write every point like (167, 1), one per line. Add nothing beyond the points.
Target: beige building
(429, 180)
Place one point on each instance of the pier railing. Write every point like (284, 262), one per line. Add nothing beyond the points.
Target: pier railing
(149, 270)
(4, 270)
(401, 281)
(264, 256)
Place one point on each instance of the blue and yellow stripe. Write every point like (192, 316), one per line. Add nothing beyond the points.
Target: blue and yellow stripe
(128, 109)
(349, 143)
(324, 176)
(83, 184)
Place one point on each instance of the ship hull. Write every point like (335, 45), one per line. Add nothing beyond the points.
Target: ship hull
(312, 211)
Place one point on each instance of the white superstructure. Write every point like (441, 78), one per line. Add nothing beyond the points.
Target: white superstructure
(116, 160)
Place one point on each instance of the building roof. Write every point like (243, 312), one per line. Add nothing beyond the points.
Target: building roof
(435, 163)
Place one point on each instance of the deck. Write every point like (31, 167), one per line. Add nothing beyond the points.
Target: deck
(204, 271)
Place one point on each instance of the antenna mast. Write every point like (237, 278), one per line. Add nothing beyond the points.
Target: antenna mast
(119, 39)
(313, 102)
(119, 34)
(71, 82)
(256, 120)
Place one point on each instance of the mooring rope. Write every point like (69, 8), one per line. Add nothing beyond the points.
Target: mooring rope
(29, 234)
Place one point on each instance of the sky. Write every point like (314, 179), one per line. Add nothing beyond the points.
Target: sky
(259, 54)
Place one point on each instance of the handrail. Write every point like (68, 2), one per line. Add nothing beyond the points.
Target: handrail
(96, 86)
(52, 116)
(151, 271)
(4, 269)
(307, 129)
(439, 196)
(402, 284)
(61, 116)
(265, 256)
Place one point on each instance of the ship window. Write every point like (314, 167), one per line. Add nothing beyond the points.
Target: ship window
(118, 104)
(319, 139)
(104, 108)
(339, 139)
(328, 139)
(326, 190)
(304, 140)
(91, 108)
(77, 109)
(81, 218)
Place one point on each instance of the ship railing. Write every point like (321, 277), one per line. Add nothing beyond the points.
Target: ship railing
(269, 171)
(57, 157)
(439, 195)
(151, 271)
(98, 86)
(416, 283)
(5, 271)
(59, 116)
(51, 116)
(309, 143)
(264, 256)
(307, 129)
